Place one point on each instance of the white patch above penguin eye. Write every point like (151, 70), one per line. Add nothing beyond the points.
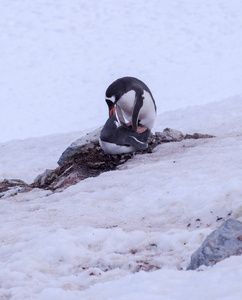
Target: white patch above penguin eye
(111, 98)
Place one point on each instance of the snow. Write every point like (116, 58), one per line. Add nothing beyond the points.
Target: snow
(58, 58)
(129, 233)
(170, 284)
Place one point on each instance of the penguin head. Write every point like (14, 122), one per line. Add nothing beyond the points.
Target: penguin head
(113, 93)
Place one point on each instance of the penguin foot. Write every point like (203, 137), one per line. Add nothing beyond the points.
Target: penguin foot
(141, 129)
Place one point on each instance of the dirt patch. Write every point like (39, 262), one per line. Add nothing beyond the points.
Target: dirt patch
(79, 167)
(89, 163)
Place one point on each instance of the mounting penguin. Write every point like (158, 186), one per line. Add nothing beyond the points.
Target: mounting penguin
(134, 103)
(131, 101)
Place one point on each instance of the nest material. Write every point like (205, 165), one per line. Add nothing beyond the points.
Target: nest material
(86, 159)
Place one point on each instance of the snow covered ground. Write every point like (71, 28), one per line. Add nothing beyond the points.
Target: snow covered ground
(127, 234)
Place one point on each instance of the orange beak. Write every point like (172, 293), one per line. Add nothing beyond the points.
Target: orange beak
(112, 112)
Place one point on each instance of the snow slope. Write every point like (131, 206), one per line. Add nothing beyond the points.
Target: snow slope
(129, 233)
(58, 58)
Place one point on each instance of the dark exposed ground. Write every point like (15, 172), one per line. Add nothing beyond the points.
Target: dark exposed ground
(84, 165)
(79, 167)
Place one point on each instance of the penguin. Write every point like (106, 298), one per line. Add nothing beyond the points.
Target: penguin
(116, 139)
(134, 103)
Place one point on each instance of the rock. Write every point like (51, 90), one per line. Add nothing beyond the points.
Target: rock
(170, 135)
(90, 141)
(84, 158)
(48, 176)
(82, 145)
(220, 244)
(79, 167)
(10, 187)
(198, 136)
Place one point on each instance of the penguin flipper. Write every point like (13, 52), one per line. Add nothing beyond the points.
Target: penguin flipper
(133, 141)
(138, 104)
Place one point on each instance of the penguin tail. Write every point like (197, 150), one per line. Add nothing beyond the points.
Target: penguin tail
(132, 141)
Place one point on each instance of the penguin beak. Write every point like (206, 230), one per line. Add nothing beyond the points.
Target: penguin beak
(112, 112)
(111, 108)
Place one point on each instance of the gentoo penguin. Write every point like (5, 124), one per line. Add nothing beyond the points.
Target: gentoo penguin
(117, 139)
(134, 103)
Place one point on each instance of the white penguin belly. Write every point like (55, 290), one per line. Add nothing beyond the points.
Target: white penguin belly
(111, 148)
(147, 113)
(126, 105)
